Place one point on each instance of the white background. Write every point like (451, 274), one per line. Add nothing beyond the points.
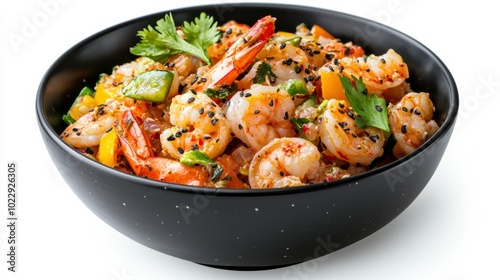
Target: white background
(451, 231)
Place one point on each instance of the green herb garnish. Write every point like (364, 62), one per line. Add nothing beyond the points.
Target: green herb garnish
(193, 158)
(163, 41)
(264, 72)
(371, 110)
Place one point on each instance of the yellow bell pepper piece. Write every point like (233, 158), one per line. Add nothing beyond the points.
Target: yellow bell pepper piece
(103, 93)
(107, 148)
(82, 107)
(331, 87)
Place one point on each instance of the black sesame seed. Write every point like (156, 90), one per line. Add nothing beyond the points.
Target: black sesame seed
(193, 91)
(203, 79)
(382, 60)
(417, 112)
(282, 45)
(180, 150)
(378, 108)
(404, 109)
(171, 138)
(194, 81)
(271, 103)
(89, 151)
(374, 138)
(214, 121)
(202, 110)
(194, 147)
(403, 128)
(109, 129)
(191, 100)
(240, 126)
(248, 94)
(211, 114)
(178, 134)
(350, 114)
(184, 130)
(286, 116)
(256, 112)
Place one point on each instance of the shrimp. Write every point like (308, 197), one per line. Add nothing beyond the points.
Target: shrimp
(284, 162)
(411, 122)
(88, 129)
(339, 133)
(198, 124)
(260, 114)
(287, 63)
(239, 56)
(231, 31)
(136, 148)
(379, 73)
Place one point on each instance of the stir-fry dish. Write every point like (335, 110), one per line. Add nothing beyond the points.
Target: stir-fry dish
(238, 106)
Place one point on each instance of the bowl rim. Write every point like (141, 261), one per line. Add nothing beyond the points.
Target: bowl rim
(447, 124)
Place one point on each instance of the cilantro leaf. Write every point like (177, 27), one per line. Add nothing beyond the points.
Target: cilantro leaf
(264, 70)
(371, 110)
(163, 41)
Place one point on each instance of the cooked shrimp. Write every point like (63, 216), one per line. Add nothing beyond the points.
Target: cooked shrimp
(239, 56)
(284, 162)
(88, 130)
(411, 122)
(137, 150)
(198, 124)
(287, 63)
(379, 73)
(231, 31)
(342, 138)
(261, 114)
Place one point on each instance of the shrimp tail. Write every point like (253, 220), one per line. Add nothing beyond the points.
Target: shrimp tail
(137, 150)
(241, 54)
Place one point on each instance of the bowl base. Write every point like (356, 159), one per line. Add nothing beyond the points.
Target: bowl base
(247, 268)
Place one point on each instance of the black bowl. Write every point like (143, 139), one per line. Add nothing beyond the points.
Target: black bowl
(245, 229)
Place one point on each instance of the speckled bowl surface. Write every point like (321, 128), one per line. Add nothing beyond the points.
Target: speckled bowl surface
(245, 229)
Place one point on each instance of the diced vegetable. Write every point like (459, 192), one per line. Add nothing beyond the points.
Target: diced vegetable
(319, 32)
(82, 104)
(102, 93)
(331, 87)
(295, 87)
(108, 148)
(150, 86)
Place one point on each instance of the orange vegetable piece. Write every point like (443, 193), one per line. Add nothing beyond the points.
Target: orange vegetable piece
(319, 31)
(331, 87)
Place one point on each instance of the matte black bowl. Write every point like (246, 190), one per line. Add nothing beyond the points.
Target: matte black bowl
(245, 229)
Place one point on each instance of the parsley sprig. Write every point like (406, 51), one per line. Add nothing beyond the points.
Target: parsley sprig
(371, 110)
(163, 41)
